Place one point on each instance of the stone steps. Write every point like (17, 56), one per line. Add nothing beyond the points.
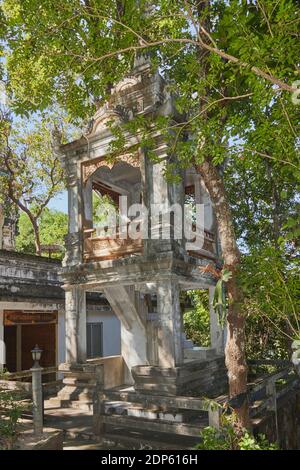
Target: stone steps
(164, 426)
(83, 405)
(131, 440)
(136, 421)
(79, 385)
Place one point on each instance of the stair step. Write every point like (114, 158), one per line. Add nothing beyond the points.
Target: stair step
(70, 381)
(81, 405)
(161, 426)
(130, 396)
(129, 409)
(146, 441)
(84, 405)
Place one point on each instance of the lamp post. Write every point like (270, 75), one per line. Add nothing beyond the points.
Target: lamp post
(37, 392)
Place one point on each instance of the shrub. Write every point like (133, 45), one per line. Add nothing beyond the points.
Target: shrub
(230, 437)
(11, 410)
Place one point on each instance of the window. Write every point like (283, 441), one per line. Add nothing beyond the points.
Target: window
(94, 340)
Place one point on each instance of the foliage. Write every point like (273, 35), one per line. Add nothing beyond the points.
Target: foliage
(104, 209)
(11, 410)
(230, 66)
(73, 53)
(32, 172)
(264, 201)
(229, 437)
(196, 319)
(271, 302)
(53, 227)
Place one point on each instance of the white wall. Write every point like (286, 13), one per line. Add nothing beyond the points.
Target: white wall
(61, 337)
(111, 331)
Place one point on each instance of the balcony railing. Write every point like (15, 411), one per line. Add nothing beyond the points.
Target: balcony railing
(105, 246)
(101, 247)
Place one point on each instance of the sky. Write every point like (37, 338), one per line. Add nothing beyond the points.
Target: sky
(60, 202)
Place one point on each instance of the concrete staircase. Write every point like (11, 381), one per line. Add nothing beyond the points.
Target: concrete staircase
(78, 396)
(80, 384)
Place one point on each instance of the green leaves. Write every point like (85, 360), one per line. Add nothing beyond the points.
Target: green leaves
(53, 227)
(270, 282)
(231, 437)
(196, 318)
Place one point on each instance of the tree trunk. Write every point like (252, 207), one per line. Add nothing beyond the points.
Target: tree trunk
(235, 346)
(36, 232)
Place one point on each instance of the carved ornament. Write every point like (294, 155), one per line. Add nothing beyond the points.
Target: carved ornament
(89, 168)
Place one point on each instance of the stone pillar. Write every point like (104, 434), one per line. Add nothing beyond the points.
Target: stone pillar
(37, 399)
(170, 350)
(2, 344)
(74, 239)
(87, 192)
(75, 325)
(74, 198)
(217, 333)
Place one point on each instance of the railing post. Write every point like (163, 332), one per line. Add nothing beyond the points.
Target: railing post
(37, 399)
(214, 417)
(271, 394)
(98, 405)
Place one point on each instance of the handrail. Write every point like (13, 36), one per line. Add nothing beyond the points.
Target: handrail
(26, 373)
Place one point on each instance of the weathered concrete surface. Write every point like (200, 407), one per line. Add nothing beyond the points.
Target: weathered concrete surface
(125, 303)
(29, 277)
(80, 384)
(74, 423)
(192, 378)
(51, 439)
(113, 370)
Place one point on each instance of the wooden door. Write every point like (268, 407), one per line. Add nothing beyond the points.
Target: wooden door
(45, 337)
(10, 339)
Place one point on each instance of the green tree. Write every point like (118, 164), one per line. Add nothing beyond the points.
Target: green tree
(271, 302)
(32, 174)
(196, 318)
(53, 227)
(227, 62)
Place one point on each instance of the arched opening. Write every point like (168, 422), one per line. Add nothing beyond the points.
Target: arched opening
(109, 192)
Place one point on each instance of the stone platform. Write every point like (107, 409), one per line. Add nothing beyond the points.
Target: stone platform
(205, 377)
